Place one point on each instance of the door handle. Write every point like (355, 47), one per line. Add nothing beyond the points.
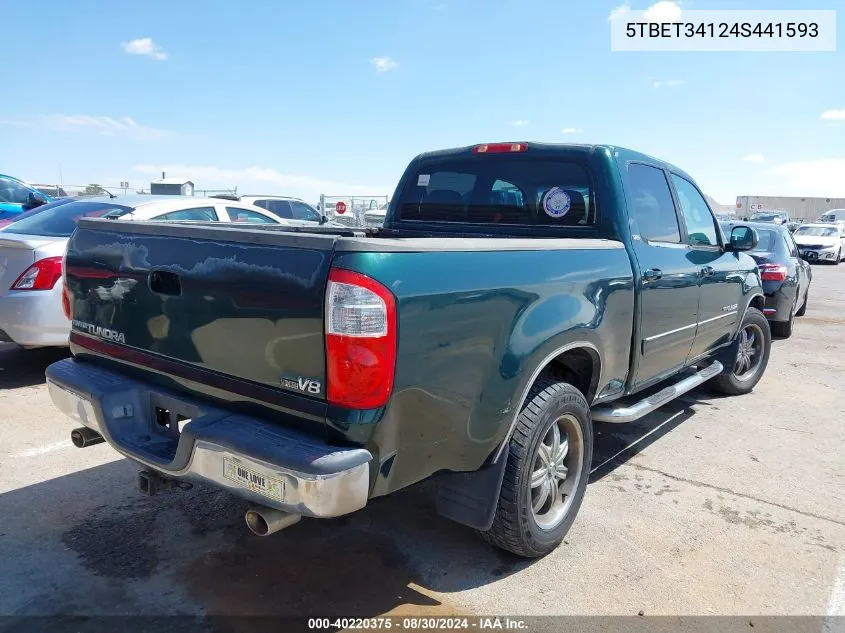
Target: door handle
(165, 283)
(652, 274)
(707, 271)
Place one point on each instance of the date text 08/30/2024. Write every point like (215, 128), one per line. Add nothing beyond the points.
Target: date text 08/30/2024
(419, 623)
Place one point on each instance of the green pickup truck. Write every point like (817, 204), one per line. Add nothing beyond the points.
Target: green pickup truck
(516, 293)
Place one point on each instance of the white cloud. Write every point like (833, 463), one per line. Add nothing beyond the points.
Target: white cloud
(263, 178)
(384, 64)
(817, 178)
(104, 125)
(146, 47)
(833, 115)
(663, 11)
(572, 130)
(756, 157)
(520, 122)
(672, 83)
(620, 11)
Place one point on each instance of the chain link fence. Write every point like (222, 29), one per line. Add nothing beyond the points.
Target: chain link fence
(354, 210)
(75, 191)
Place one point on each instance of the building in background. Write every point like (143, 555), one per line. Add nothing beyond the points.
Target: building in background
(172, 186)
(800, 209)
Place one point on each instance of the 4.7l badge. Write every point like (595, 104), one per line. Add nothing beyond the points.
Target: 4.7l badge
(302, 384)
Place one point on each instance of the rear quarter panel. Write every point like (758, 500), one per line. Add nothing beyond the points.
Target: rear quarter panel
(473, 326)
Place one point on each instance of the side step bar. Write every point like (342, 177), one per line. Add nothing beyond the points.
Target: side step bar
(620, 415)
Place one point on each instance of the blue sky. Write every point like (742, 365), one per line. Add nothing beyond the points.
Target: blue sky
(336, 97)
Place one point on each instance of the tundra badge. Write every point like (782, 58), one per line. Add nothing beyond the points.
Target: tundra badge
(99, 330)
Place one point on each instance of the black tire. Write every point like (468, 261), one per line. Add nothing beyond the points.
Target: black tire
(803, 309)
(783, 329)
(838, 258)
(733, 381)
(515, 526)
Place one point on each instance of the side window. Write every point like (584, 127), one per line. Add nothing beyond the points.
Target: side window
(279, 207)
(202, 214)
(653, 209)
(701, 226)
(791, 248)
(13, 192)
(302, 211)
(245, 215)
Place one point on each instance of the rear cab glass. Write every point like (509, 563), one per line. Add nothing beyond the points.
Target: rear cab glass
(524, 191)
(60, 220)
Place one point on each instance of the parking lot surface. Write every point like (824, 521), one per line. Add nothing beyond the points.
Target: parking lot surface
(710, 506)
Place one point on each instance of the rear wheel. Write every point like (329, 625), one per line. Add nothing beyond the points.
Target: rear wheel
(748, 356)
(803, 309)
(783, 329)
(549, 458)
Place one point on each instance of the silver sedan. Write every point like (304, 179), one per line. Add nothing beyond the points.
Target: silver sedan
(32, 248)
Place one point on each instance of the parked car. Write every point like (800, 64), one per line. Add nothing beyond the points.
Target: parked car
(786, 276)
(16, 196)
(44, 207)
(294, 210)
(822, 242)
(832, 215)
(31, 250)
(775, 217)
(312, 372)
(375, 217)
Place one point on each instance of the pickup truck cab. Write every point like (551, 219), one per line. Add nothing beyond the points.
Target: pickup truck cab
(516, 293)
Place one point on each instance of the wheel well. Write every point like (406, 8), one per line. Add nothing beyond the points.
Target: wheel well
(758, 302)
(580, 367)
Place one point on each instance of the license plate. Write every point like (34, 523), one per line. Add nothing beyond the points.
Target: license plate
(253, 480)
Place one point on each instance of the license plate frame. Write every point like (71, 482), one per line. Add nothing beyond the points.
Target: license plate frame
(253, 480)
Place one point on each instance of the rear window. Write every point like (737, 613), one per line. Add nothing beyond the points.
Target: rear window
(768, 241)
(521, 192)
(60, 220)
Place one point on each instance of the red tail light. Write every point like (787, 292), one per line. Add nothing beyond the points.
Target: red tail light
(772, 272)
(42, 275)
(65, 293)
(360, 340)
(499, 148)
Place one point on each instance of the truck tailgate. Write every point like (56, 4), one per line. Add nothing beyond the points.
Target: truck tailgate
(242, 304)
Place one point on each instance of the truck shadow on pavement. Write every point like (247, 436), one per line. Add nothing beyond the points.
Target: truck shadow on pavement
(25, 367)
(87, 543)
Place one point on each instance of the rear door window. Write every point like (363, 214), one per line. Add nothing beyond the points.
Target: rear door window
(200, 214)
(302, 211)
(791, 247)
(521, 192)
(279, 207)
(653, 207)
(245, 215)
(701, 225)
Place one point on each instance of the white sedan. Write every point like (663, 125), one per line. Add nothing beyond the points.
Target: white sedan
(31, 251)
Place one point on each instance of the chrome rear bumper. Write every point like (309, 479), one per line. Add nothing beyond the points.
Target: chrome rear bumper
(250, 457)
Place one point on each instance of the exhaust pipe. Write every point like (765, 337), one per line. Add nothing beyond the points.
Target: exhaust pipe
(84, 437)
(265, 521)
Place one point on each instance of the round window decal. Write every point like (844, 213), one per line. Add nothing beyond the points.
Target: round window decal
(556, 202)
